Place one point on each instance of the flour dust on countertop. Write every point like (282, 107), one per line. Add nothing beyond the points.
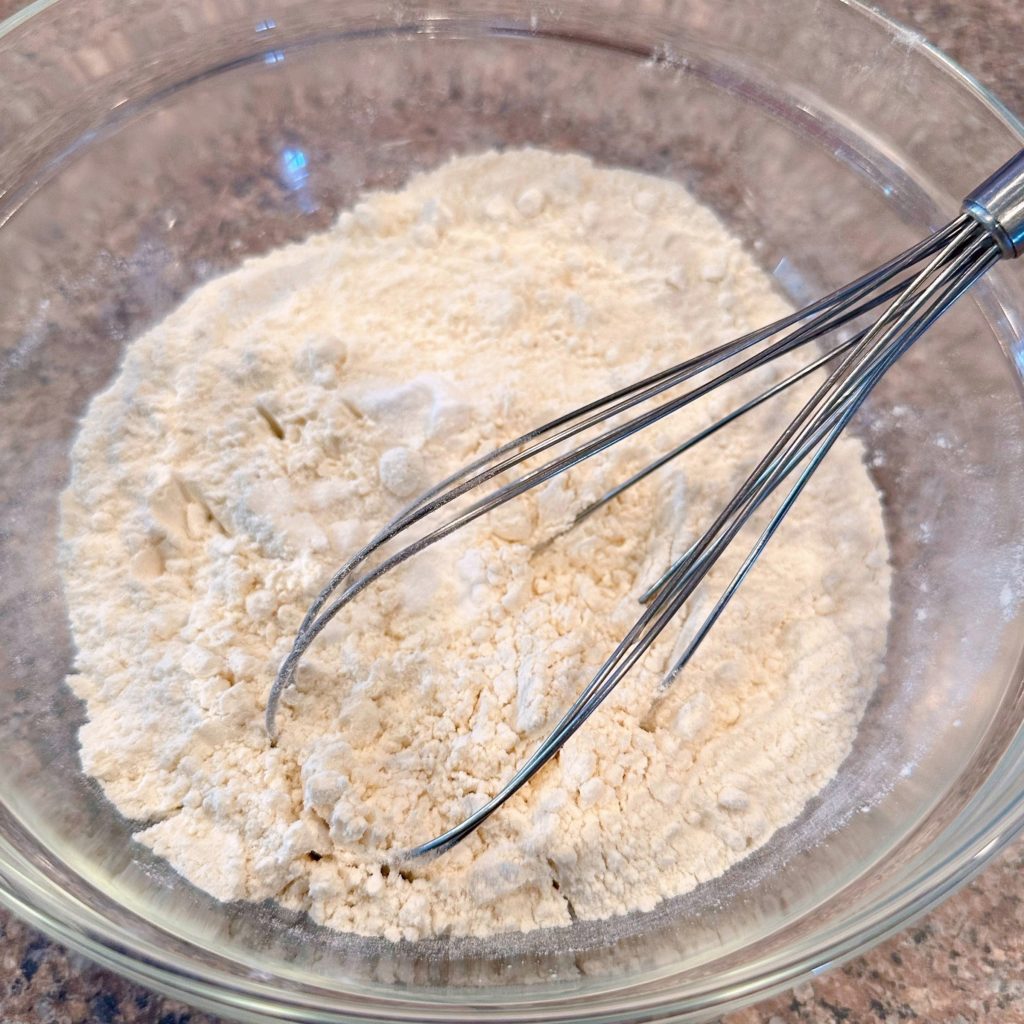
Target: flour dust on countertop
(267, 427)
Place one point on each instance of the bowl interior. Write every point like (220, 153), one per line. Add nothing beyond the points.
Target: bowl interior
(261, 135)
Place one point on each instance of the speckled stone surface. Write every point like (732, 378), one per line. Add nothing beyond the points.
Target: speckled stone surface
(962, 964)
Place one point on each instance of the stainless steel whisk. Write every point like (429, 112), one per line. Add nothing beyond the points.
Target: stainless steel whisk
(912, 291)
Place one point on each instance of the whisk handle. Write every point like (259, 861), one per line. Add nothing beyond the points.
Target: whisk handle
(998, 205)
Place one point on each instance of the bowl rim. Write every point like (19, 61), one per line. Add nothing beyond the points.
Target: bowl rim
(26, 893)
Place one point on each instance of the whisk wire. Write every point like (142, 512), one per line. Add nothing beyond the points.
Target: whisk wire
(822, 420)
(912, 290)
(826, 319)
(576, 421)
(833, 433)
(933, 300)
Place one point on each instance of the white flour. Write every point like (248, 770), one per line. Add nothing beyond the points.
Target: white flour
(286, 410)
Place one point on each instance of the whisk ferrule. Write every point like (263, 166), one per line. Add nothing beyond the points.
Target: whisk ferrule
(998, 205)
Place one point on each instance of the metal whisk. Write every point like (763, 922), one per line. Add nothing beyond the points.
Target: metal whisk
(911, 291)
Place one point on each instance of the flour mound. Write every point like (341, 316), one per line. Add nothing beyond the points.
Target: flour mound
(271, 424)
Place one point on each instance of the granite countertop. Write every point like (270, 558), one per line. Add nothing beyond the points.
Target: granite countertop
(962, 964)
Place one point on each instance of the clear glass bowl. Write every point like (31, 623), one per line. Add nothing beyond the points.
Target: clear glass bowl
(147, 147)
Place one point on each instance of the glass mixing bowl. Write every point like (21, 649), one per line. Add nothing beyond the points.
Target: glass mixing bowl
(147, 147)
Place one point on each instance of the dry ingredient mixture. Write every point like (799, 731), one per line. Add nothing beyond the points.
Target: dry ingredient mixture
(286, 410)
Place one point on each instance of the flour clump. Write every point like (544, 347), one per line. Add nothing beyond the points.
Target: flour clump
(271, 424)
